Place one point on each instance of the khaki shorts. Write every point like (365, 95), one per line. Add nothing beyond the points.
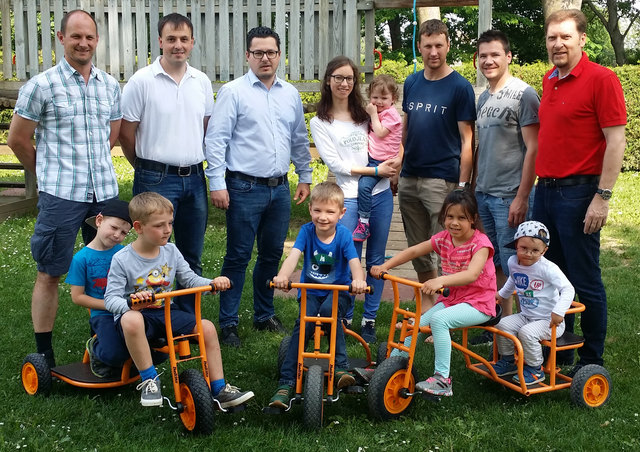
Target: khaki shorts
(420, 200)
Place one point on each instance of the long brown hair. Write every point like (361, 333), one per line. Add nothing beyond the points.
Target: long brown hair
(356, 102)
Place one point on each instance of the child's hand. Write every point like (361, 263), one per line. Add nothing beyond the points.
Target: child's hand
(281, 282)
(371, 109)
(432, 286)
(555, 319)
(377, 270)
(221, 283)
(143, 295)
(358, 286)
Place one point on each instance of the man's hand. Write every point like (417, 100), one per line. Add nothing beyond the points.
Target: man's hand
(518, 211)
(302, 192)
(596, 216)
(220, 199)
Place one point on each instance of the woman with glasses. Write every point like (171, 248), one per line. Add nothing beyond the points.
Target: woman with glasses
(340, 132)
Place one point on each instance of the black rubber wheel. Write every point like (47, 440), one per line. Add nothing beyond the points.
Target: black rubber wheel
(591, 386)
(312, 405)
(282, 353)
(386, 387)
(36, 375)
(382, 353)
(198, 415)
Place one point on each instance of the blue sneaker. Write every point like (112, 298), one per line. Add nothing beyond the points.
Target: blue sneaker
(531, 375)
(504, 367)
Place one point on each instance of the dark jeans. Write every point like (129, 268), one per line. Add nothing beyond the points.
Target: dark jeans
(190, 200)
(562, 210)
(322, 305)
(365, 190)
(256, 213)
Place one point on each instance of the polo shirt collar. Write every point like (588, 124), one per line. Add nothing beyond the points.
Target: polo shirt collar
(576, 71)
(253, 79)
(156, 69)
(68, 71)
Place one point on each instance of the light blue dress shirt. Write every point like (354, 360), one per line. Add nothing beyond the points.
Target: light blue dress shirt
(256, 131)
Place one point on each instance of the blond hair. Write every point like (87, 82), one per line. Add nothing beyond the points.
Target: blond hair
(143, 205)
(327, 192)
(385, 83)
(567, 14)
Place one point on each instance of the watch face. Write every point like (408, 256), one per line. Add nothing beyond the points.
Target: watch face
(605, 194)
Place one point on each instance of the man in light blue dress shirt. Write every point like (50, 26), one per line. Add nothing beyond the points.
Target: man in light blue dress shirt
(258, 128)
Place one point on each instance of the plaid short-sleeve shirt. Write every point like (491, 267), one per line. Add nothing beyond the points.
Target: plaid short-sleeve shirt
(73, 155)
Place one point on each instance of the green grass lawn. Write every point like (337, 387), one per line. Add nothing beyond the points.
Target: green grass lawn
(480, 416)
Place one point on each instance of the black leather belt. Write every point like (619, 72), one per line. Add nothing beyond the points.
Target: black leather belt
(152, 165)
(269, 181)
(568, 181)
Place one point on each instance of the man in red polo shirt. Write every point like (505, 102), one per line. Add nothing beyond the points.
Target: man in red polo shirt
(580, 149)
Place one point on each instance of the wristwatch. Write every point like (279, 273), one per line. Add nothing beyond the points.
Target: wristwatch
(604, 193)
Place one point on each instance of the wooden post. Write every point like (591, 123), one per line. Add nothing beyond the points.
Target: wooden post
(485, 8)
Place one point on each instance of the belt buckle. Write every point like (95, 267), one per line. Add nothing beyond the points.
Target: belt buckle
(273, 181)
(182, 173)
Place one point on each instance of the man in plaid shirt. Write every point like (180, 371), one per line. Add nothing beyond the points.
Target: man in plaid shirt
(74, 110)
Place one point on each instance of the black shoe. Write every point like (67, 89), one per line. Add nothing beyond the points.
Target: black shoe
(574, 370)
(230, 336)
(368, 331)
(51, 361)
(271, 324)
(485, 338)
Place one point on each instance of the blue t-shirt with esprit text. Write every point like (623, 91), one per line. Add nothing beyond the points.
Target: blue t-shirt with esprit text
(433, 109)
(325, 263)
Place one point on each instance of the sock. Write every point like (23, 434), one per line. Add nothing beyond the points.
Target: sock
(217, 386)
(365, 320)
(149, 373)
(43, 342)
(364, 220)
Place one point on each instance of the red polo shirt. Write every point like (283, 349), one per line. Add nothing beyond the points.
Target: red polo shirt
(573, 112)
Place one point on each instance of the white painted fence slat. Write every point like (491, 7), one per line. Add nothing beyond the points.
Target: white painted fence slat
(311, 32)
(238, 53)
(7, 51)
(210, 40)
(142, 44)
(280, 28)
(31, 39)
(45, 25)
(154, 16)
(224, 42)
(127, 39)
(308, 49)
(294, 41)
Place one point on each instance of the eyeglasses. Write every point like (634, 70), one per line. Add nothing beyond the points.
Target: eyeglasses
(258, 54)
(528, 251)
(341, 78)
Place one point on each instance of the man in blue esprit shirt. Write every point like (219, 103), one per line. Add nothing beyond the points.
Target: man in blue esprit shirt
(258, 129)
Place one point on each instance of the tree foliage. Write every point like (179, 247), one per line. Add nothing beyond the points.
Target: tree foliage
(610, 13)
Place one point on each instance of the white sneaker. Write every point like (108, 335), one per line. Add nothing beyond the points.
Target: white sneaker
(150, 395)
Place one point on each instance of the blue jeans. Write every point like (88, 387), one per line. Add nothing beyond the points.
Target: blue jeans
(381, 212)
(494, 213)
(256, 212)
(190, 200)
(322, 305)
(562, 210)
(109, 346)
(365, 190)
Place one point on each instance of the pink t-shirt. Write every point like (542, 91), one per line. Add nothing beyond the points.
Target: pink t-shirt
(481, 294)
(389, 146)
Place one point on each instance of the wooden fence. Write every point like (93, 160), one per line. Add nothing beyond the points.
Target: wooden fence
(311, 32)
